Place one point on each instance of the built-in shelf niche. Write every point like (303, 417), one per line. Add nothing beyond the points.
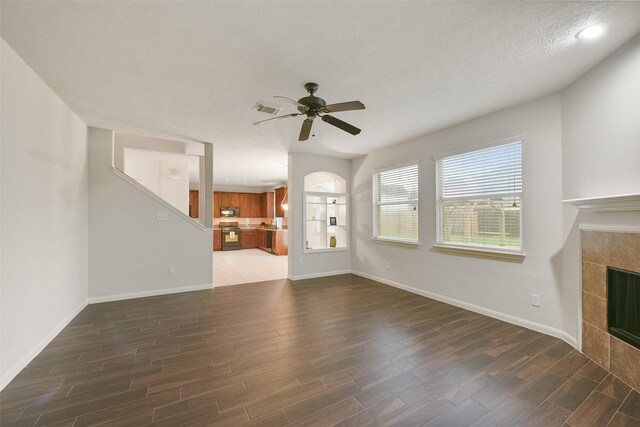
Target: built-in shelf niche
(319, 209)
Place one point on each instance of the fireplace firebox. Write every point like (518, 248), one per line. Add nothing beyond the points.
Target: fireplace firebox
(623, 305)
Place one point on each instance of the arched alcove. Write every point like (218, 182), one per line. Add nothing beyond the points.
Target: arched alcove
(325, 212)
(325, 182)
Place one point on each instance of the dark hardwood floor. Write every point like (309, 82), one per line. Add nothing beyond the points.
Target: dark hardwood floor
(341, 350)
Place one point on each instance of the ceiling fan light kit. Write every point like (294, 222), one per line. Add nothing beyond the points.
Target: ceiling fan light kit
(313, 106)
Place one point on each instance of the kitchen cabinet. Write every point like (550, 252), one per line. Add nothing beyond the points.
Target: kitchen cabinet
(280, 244)
(253, 205)
(261, 239)
(234, 200)
(256, 203)
(267, 205)
(250, 204)
(281, 194)
(193, 203)
(217, 242)
(225, 200)
(244, 203)
(273, 241)
(216, 204)
(248, 239)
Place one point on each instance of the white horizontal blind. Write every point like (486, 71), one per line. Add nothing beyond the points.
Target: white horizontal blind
(478, 198)
(395, 204)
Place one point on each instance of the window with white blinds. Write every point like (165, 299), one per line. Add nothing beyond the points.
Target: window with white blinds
(395, 204)
(479, 199)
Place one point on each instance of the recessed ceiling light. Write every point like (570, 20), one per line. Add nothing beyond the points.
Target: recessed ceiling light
(591, 32)
(226, 179)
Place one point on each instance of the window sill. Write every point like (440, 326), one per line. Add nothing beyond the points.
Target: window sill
(408, 243)
(480, 253)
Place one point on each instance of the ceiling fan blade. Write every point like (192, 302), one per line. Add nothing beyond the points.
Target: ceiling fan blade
(340, 124)
(344, 106)
(305, 130)
(279, 117)
(291, 101)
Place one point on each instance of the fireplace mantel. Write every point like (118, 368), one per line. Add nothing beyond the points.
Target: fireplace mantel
(626, 202)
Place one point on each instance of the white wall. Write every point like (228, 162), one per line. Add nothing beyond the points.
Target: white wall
(154, 174)
(130, 251)
(44, 215)
(303, 265)
(497, 287)
(601, 154)
(601, 128)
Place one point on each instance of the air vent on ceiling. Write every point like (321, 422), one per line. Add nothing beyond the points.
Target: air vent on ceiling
(269, 109)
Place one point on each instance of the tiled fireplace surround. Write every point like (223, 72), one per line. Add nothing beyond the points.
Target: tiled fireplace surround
(599, 250)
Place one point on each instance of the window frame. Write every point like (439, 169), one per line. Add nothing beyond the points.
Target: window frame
(483, 251)
(375, 204)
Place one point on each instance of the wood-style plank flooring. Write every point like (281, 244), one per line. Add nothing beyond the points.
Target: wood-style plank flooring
(341, 350)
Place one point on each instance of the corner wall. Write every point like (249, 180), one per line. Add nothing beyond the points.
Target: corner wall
(600, 155)
(306, 265)
(497, 288)
(44, 216)
(130, 251)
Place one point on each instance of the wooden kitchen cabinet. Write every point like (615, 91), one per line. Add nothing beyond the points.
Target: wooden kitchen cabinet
(193, 203)
(261, 239)
(280, 195)
(253, 205)
(216, 204)
(267, 206)
(217, 241)
(225, 200)
(280, 244)
(248, 239)
(244, 203)
(250, 204)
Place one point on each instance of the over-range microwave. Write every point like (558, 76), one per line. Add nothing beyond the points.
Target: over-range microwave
(230, 212)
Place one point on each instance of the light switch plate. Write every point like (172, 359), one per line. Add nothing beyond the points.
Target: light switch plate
(535, 300)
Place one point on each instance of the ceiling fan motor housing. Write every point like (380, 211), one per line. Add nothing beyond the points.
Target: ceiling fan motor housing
(313, 103)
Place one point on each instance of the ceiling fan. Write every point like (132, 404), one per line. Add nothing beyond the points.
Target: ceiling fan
(313, 107)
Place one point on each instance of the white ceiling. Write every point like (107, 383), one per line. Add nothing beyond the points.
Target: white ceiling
(194, 70)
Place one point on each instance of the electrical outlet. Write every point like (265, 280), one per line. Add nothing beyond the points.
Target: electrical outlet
(162, 216)
(535, 300)
(387, 266)
(172, 271)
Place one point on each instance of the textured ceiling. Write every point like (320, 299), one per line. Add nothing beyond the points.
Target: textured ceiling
(194, 70)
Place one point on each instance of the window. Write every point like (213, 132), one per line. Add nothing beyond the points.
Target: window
(479, 199)
(395, 204)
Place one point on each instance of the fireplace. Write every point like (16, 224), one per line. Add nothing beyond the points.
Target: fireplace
(611, 302)
(623, 305)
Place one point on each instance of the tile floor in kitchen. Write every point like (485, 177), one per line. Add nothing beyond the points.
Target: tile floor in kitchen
(247, 265)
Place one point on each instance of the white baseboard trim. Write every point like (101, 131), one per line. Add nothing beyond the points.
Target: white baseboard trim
(152, 293)
(548, 330)
(315, 275)
(11, 373)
